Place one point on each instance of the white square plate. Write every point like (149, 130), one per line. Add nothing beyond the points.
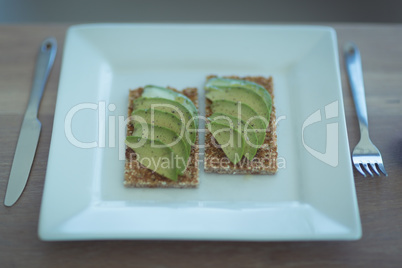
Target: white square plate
(312, 197)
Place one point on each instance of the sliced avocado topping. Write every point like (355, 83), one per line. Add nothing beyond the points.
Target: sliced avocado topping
(250, 138)
(165, 126)
(244, 95)
(163, 119)
(218, 82)
(243, 112)
(156, 158)
(245, 101)
(151, 91)
(231, 140)
(170, 106)
(169, 138)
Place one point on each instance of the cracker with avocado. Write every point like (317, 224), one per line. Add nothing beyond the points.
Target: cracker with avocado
(136, 173)
(224, 98)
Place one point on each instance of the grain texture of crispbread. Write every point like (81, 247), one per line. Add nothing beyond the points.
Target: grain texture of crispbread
(137, 175)
(264, 162)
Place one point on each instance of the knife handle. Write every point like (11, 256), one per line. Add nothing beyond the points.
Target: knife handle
(44, 63)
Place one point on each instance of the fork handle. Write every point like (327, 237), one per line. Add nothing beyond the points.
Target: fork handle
(354, 69)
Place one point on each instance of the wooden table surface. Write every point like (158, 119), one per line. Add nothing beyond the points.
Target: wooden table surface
(380, 199)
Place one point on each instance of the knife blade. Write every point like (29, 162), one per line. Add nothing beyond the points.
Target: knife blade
(31, 126)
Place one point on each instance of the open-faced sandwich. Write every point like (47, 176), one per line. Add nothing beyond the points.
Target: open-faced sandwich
(241, 130)
(161, 138)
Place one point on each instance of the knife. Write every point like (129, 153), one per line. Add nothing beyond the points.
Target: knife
(31, 126)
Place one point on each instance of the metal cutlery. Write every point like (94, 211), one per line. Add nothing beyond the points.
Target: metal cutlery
(31, 126)
(366, 157)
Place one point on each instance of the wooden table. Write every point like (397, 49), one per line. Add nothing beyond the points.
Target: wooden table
(380, 199)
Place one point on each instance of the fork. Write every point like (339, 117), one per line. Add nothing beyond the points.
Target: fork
(365, 154)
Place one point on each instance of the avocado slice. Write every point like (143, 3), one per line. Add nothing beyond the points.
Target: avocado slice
(151, 91)
(163, 119)
(231, 140)
(169, 138)
(170, 106)
(158, 159)
(227, 82)
(250, 138)
(243, 112)
(243, 95)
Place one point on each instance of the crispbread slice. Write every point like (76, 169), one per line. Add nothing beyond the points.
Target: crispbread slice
(264, 162)
(137, 175)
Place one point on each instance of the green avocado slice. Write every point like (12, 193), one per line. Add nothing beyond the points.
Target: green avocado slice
(230, 140)
(157, 159)
(170, 106)
(243, 112)
(249, 135)
(168, 138)
(244, 95)
(226, 82)
(151, 91)
(163, 119)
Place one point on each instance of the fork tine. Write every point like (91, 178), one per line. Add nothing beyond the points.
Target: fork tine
(367, 169)
(381, 166)
(359, 168)
(374, 168)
